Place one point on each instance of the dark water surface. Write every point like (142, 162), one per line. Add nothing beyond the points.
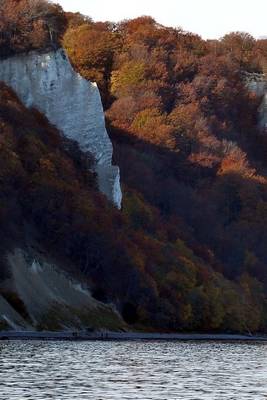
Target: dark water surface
(133, 370)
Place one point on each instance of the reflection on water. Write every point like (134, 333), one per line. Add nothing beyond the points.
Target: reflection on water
(133, 370)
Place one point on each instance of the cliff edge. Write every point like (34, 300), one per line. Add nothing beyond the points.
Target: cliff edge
(49, 83)
(257, 84)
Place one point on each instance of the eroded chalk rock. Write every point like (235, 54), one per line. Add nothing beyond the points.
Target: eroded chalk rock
(51, 298)
(49, 83)
(257, 83)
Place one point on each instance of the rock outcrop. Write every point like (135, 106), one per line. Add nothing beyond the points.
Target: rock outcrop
(49, 83)
(38, 294)
(257, 83)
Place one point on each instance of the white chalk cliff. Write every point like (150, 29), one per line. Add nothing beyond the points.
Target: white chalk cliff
(257, 83)
(49, 83)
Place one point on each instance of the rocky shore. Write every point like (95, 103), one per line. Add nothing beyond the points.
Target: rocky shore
(84, 335)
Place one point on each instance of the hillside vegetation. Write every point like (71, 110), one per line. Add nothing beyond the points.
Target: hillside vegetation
(155, 279)
(188, 251)
(27, 25)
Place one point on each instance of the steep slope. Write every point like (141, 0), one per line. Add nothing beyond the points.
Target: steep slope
(186, 138)
(39, 295)
(48, 82)
(37, 173)
(67, 254)
(257, 84)
(188, 249)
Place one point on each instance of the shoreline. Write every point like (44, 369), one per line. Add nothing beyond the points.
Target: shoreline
(125, 336)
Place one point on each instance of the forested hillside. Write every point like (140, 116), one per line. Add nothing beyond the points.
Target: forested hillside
(27, 25)
(188, 250)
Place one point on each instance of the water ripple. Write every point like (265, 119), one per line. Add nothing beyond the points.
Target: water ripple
(133, 370)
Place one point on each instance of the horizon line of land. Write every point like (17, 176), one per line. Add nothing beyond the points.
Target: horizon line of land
(127, 336)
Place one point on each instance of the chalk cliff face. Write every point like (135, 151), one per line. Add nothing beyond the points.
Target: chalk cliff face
(257, 83)
(49, 83)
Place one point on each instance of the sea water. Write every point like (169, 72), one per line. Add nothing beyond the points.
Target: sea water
(133, 370)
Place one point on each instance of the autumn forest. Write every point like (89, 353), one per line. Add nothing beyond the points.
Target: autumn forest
(189, 249)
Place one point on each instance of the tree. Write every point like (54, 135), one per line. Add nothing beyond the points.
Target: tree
(241, 46)
(91, 49)
(29, 24)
